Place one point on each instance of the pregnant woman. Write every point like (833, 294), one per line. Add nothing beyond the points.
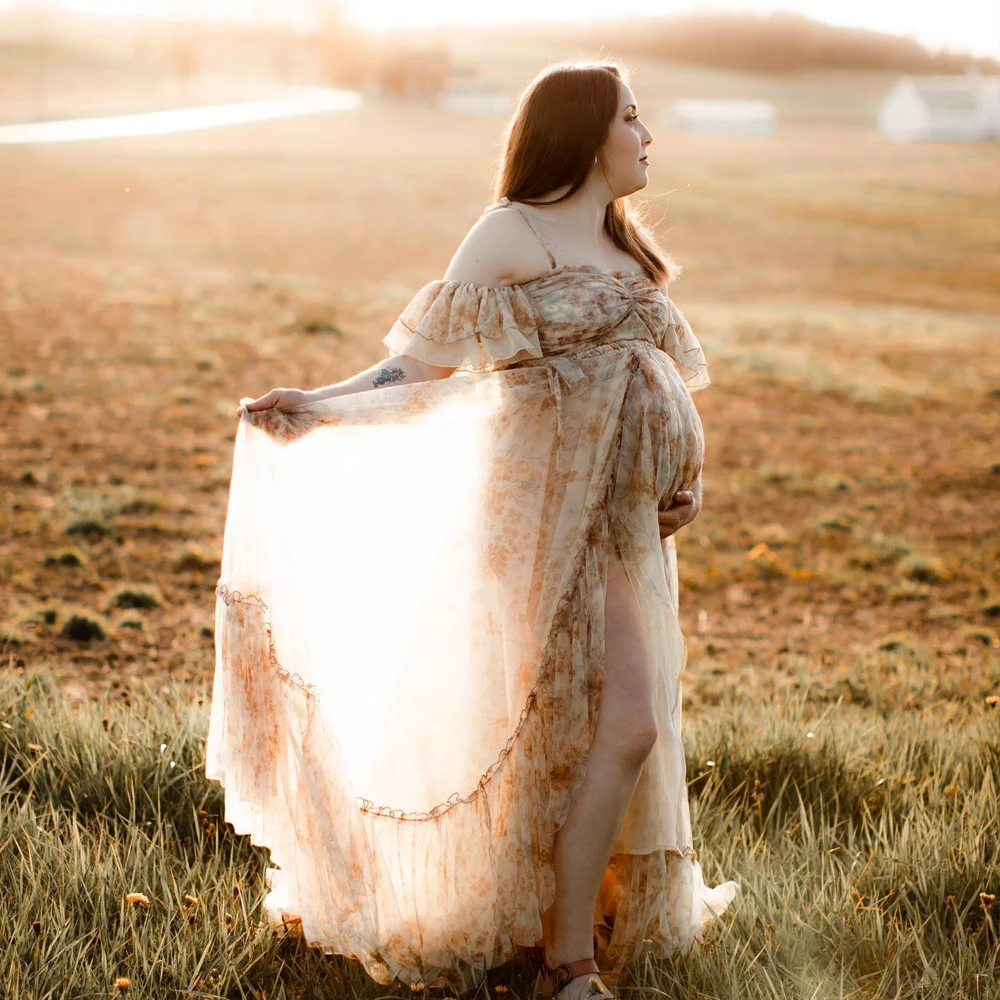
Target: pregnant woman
(447, 689)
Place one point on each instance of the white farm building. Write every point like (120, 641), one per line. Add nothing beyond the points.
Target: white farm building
(710, 116)
(467, 93)
(474, 100)
(963, 107)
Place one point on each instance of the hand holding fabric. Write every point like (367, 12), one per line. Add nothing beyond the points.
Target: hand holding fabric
(280, 398)
(684, 508)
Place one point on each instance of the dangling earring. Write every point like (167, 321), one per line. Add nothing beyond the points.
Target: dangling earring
(595, 161)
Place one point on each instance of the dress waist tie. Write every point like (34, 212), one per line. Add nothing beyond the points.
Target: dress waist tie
(565, 370)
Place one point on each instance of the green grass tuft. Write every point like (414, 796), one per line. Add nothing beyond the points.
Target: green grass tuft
(864, 841)
(923, 568)
(141, 596)
(83, 625)
(66, 557)
(194, 557)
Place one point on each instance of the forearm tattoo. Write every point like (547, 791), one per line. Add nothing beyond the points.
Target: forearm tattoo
(388, 375)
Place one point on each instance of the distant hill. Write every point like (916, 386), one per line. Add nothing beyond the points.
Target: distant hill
(781, 42)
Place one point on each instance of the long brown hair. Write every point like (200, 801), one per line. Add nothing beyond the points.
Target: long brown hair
(559, 125)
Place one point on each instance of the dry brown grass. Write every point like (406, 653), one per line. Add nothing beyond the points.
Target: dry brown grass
(846, 292)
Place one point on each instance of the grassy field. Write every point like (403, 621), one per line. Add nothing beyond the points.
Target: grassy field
(865, 842)
(840, 590)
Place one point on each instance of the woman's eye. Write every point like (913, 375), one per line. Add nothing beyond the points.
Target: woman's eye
(632, 118)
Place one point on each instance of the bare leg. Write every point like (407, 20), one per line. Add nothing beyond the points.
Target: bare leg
(624, 735)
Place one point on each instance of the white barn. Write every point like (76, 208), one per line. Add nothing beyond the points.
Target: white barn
(710, 116)
(952, 108)
(468, 99)
(467, 93)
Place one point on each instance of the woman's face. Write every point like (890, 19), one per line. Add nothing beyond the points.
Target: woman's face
(623, 152)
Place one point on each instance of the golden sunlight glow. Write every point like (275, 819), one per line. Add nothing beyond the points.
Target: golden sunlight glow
(417, 519)
(967, 25)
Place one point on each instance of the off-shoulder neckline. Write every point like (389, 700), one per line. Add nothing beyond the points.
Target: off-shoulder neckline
(563, 268)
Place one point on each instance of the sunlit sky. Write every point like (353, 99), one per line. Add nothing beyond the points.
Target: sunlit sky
(967, 25)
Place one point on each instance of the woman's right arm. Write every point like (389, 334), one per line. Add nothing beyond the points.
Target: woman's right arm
(493, 250)
(388, 371)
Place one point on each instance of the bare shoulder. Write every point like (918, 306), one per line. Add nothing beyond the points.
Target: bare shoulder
(495, 251)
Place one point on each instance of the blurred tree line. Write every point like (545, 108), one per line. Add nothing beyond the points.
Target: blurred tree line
(776, 43)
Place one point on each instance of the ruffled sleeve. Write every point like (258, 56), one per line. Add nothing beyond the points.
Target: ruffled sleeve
(458, 324)
(680, 343)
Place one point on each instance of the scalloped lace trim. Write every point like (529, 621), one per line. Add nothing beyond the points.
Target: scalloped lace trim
(230, 597)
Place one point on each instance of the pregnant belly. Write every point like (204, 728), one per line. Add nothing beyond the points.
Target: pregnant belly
(676, 435)
(658, 448)
(661, 450)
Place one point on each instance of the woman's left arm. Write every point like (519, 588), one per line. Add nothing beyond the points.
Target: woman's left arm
(683, 509)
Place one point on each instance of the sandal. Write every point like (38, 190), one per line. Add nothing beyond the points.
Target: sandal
(570, 972)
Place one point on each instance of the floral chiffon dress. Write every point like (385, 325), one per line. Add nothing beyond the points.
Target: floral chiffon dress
(410, 629)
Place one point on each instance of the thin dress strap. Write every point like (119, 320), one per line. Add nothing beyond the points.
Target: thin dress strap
(506, 202)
